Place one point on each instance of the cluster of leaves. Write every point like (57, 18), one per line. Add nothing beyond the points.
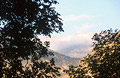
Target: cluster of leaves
(76, 72)
(104, 62)
(21, 22)
(102, 37)
(33, 69)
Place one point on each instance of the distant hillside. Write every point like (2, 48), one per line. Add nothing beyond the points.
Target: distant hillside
(63, 61)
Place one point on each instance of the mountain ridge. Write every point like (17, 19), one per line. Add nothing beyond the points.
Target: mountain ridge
(61, 60)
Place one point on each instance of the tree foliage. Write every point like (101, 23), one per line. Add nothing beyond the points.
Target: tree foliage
(21, 22)
(104, 61)
(76, 72)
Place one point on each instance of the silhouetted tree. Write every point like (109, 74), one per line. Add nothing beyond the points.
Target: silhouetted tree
(105, 62)
(21, 22)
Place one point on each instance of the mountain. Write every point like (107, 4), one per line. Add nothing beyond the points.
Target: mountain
(63, 61)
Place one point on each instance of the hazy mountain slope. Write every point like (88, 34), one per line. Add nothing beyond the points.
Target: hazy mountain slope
(63, 61)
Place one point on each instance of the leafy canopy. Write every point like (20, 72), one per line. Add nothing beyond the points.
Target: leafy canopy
(21, 22)
(103, 61)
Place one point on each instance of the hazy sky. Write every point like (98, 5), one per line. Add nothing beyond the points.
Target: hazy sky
(89, 15)
(81, 19)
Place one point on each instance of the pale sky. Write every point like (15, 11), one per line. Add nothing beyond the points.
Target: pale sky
(89, 15)
(81, 19)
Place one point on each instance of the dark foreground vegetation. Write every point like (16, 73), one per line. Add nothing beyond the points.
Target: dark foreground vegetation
(21, 21)
(103, 61)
